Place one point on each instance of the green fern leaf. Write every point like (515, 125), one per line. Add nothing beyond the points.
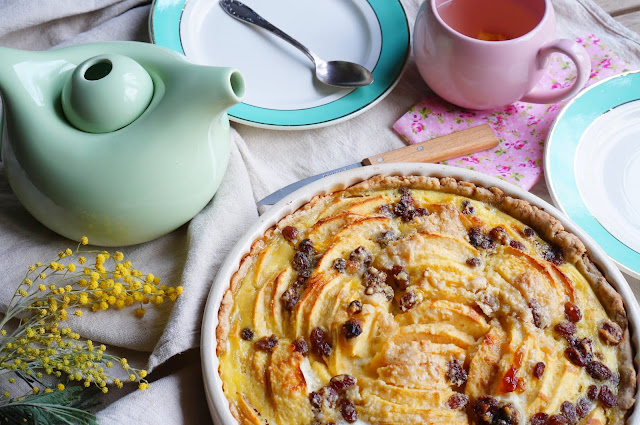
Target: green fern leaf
(68, 406)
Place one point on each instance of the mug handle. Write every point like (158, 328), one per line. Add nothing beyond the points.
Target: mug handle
(580, 59)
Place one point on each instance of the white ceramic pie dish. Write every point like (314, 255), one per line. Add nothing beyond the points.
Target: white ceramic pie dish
(218, 404)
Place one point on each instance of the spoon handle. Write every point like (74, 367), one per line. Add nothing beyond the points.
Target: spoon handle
(245, 14)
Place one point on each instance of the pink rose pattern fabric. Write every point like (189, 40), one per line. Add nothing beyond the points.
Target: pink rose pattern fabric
(521, 127)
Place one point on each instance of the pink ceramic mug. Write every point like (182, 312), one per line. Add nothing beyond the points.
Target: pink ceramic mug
(458, 61)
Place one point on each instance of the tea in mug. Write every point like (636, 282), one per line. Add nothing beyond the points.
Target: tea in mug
(489, 36)
(489, 20)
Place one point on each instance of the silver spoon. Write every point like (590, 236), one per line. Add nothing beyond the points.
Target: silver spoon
(333, 73)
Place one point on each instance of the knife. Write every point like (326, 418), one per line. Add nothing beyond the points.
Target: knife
(456, 144)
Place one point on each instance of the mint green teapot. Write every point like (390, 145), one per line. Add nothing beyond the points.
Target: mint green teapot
(121, 142)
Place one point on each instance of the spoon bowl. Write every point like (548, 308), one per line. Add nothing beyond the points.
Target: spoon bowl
(343, 74)
(334, 73)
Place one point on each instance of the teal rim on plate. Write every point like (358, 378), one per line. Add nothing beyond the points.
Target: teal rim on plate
(559, 157)
(164, 28)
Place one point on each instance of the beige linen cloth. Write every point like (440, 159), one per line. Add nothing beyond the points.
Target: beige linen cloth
(261, 162)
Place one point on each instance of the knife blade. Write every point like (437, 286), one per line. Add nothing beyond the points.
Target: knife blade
(456, 144)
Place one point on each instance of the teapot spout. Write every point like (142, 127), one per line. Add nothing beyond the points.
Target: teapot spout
(219, 88)
(10, 79)
(8, 57)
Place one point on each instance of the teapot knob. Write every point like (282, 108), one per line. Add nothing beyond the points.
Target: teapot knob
(106, 93)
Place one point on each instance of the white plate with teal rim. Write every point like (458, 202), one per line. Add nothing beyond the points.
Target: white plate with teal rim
(592, 166)
(282, 92)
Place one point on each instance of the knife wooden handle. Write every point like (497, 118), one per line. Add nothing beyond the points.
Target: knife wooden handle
(456, 144)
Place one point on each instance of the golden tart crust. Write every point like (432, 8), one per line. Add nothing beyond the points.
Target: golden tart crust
(413, 299)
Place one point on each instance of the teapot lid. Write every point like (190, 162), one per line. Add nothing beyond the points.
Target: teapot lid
(105, 93)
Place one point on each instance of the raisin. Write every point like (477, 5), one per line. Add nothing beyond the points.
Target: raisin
(340, 264)
(565, 329)
(585, 349)
(553, 254)
(456, 373)
(467, 208)
(536, 312)
(475, 236)
(458, 401)
(611, 333)
(290, 233)
(320, 344)
(384, 238)
(568, 410)
(361, 255)
(385, 210)
(289, 298)
(572, 312)
(592, 392)
(409, 215)
(329, 396)
(404, 211)
(574, 356)
(517, 245)
(306, 246)
(479, 239)
(341, 383)
(387, 291)
(473, 262)
(374, 277)
(301, 346)
(421, 212)
(539, 419)
(301, 261)
(583, 407)
(498, 234)
(316, 400)
(348, 410)
(246, 334)
(266, 343)
(528, 232)
(396, 270)
(303, 275)
(352, 328)
(538, 370)
(485, 408)
(607, 397)
(408, 301)
(405, 196)
(355, 307)
(300, 282)
(507, 415)
(487, 244)
(599, 371)
(557, 420)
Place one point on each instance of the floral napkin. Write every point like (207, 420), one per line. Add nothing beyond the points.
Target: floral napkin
(521, 127)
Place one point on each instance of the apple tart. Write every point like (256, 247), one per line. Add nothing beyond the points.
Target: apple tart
(406, 300)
